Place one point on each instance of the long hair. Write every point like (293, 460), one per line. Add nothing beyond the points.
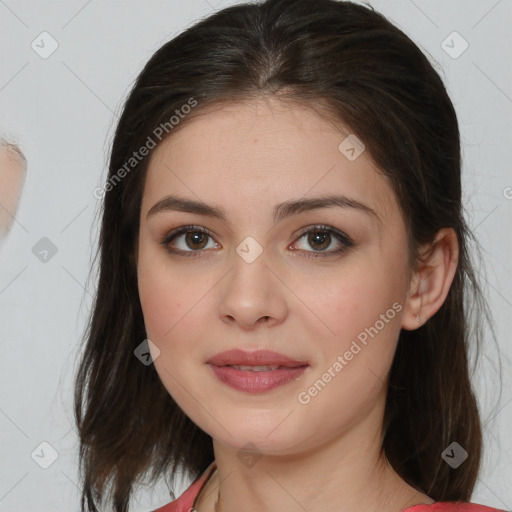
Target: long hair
(372, 77)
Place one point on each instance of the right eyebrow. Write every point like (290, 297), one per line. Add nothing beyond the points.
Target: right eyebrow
(281, 211)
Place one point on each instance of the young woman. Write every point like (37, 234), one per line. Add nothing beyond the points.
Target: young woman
(284, 271)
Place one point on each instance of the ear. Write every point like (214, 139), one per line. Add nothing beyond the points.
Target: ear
(431, 281)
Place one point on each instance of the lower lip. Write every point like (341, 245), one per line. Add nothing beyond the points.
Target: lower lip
(256, 382)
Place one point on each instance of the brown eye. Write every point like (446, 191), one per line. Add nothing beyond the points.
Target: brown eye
(320, 239)
(188, 240)
(196, 240)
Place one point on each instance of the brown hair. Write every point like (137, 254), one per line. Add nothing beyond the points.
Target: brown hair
(376, 81)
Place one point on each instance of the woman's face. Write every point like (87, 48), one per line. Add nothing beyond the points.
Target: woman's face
(256, 280)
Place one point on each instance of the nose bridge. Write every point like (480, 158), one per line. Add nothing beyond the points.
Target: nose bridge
(251, 291)
(249, 274)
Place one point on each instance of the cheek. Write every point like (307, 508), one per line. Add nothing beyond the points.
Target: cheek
(357, 298)
(160, 304)
(362, 309)
(167, 316)
(173, 306)
(364, 315)
(165, 295)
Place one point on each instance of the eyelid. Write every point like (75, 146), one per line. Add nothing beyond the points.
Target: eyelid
(170, 236)
(324, 227)
(343, 238)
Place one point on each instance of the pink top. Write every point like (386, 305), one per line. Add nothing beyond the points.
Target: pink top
(187, 500)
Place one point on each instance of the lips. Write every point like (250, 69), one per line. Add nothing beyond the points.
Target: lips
(257, 381)
(256, 372)
(261, 368)
(260, 360)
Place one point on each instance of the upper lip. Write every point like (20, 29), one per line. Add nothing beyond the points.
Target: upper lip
(256, 358)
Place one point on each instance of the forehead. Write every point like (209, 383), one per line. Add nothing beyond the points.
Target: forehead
(263, 151)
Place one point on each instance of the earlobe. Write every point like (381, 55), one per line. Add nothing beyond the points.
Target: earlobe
(432, 280)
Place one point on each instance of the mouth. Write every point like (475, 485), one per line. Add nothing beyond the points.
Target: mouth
(255, 372)
(257, 379)
(260, 360)
(265, 368)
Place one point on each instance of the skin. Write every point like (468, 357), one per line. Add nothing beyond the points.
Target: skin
(13, 168)
(246, 158)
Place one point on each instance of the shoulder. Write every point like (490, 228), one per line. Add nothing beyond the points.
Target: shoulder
(452, 506)
(185, 502)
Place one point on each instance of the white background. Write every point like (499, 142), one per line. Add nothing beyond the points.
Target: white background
(62, 111)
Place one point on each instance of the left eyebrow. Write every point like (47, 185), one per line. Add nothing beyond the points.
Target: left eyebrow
(281, 211)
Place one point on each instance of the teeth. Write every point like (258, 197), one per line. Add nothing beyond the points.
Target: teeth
(254, 368)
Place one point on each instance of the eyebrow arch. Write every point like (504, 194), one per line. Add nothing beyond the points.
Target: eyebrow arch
(281, 211)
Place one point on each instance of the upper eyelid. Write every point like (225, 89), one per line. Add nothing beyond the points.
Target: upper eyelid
(338, 234)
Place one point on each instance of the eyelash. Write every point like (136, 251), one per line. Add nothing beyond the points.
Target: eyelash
(346, 241)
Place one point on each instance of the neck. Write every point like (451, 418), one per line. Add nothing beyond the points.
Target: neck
(344, 474)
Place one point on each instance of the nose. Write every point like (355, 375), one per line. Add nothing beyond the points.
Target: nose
(252, 294)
